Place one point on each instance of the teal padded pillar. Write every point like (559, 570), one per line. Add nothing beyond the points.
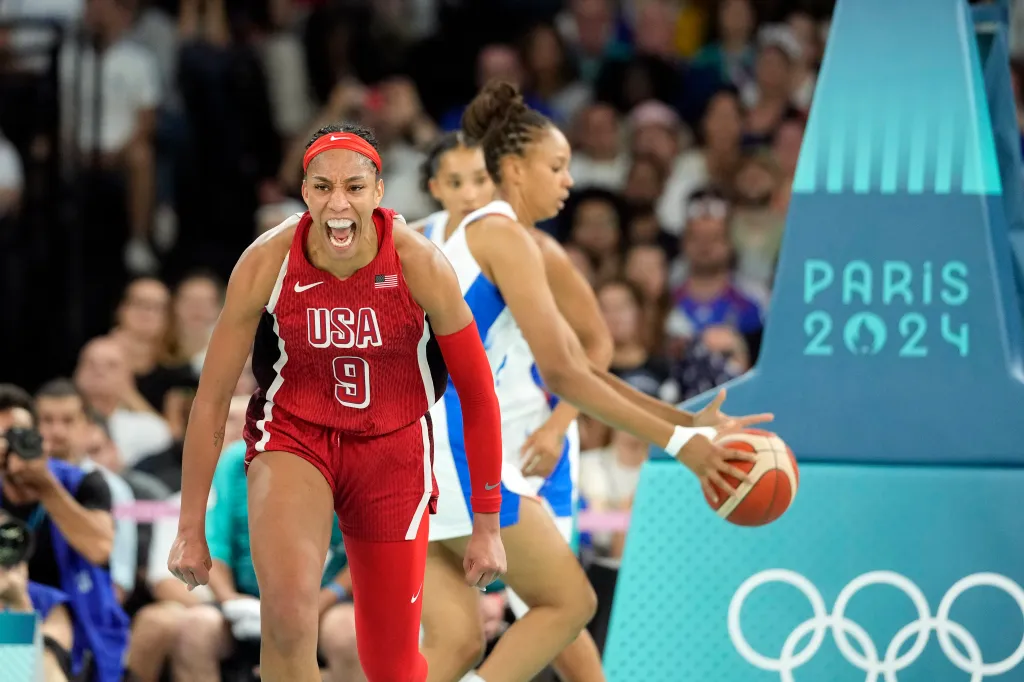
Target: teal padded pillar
(894, 332)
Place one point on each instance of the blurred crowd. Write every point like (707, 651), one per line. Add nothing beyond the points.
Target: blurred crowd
(143, 145)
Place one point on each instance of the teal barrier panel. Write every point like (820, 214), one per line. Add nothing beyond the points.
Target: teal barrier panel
(20, 648)
(877, 574)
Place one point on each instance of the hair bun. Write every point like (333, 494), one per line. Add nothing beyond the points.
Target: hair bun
(491, 110)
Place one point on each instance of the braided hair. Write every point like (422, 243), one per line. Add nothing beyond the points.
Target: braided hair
(500, 121)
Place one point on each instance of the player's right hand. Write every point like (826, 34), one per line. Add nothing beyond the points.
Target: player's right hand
(189, 560)
(484, 560)
(710, 461)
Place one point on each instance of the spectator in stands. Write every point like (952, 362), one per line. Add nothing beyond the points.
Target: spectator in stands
(805, 31)
(651, 71)
(786, 152)
(596, 218)
(655, 133)
(63, 425)
(769, 100)
(166, 464)
(107, 74)
(589, 28)
(703, 368)
(197, 301)
(396, 116)
(714, 162)
(18, 594)
(100, 448)
(647, 270)
(104, 378)
(726, 342)
(68, 510)
(157, 626)
(731, 55)
(598, 159)
(144, 321)
(620, 304)
(707, 291)
(14, 398)
(609, 474)
(645, 182)
(756, 227)
(498, 62)
(550, 74)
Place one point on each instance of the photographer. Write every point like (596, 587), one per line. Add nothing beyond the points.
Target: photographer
(68, 511)
(19, 595)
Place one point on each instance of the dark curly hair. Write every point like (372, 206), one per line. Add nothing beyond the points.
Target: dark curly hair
(352, 129)
(12, 397)
(499, 120)
(441, 146)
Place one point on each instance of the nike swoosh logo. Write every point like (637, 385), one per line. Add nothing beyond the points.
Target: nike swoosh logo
(417, 595)
(299, 288)
(335, 139)
(488, 486)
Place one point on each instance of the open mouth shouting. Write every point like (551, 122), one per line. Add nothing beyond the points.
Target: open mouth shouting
(341, 233)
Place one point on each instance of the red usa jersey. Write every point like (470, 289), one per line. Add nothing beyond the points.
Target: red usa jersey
(357, 355)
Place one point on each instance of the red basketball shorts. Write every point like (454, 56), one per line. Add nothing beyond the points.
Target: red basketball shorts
(382, 485)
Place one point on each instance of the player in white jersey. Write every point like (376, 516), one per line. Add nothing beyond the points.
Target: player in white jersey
(542, 440)
(499, 264)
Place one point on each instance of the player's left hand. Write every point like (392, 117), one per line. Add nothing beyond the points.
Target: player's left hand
(541, 451)
(484, 560)
(712, 415)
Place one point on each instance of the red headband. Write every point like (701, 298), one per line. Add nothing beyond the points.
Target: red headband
(341, 141)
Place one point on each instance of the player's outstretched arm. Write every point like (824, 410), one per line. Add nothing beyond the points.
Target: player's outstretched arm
(511, 256)
(434, 285)
(248, 292)
(578, 305)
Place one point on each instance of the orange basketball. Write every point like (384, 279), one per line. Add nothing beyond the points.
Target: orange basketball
(774, 478)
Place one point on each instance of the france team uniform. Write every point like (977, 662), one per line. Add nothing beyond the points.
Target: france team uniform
(524, 403)
(560, 490)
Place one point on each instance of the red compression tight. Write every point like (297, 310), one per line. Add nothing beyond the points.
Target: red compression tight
(387, 587)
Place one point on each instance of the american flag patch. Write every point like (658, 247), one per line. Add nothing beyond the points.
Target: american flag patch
(385, 281)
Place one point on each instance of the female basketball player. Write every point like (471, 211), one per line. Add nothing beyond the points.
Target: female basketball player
(349, 310)
(502, 274)
(456, 176)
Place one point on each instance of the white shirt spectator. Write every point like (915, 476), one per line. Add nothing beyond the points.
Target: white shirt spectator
(609, 175)
(689, 174)
(124, 558)
(138, 434)
(129, 84)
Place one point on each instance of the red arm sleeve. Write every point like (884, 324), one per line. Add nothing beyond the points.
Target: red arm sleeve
(481, 421)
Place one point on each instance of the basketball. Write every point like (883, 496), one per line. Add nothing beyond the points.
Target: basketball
(774, 479)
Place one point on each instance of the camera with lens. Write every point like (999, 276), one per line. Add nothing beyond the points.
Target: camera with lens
(16, 542)
(25, 443)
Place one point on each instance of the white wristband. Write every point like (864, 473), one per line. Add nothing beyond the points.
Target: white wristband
(682, 435)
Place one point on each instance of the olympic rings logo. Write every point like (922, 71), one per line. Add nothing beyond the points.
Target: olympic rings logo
(843, 628)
